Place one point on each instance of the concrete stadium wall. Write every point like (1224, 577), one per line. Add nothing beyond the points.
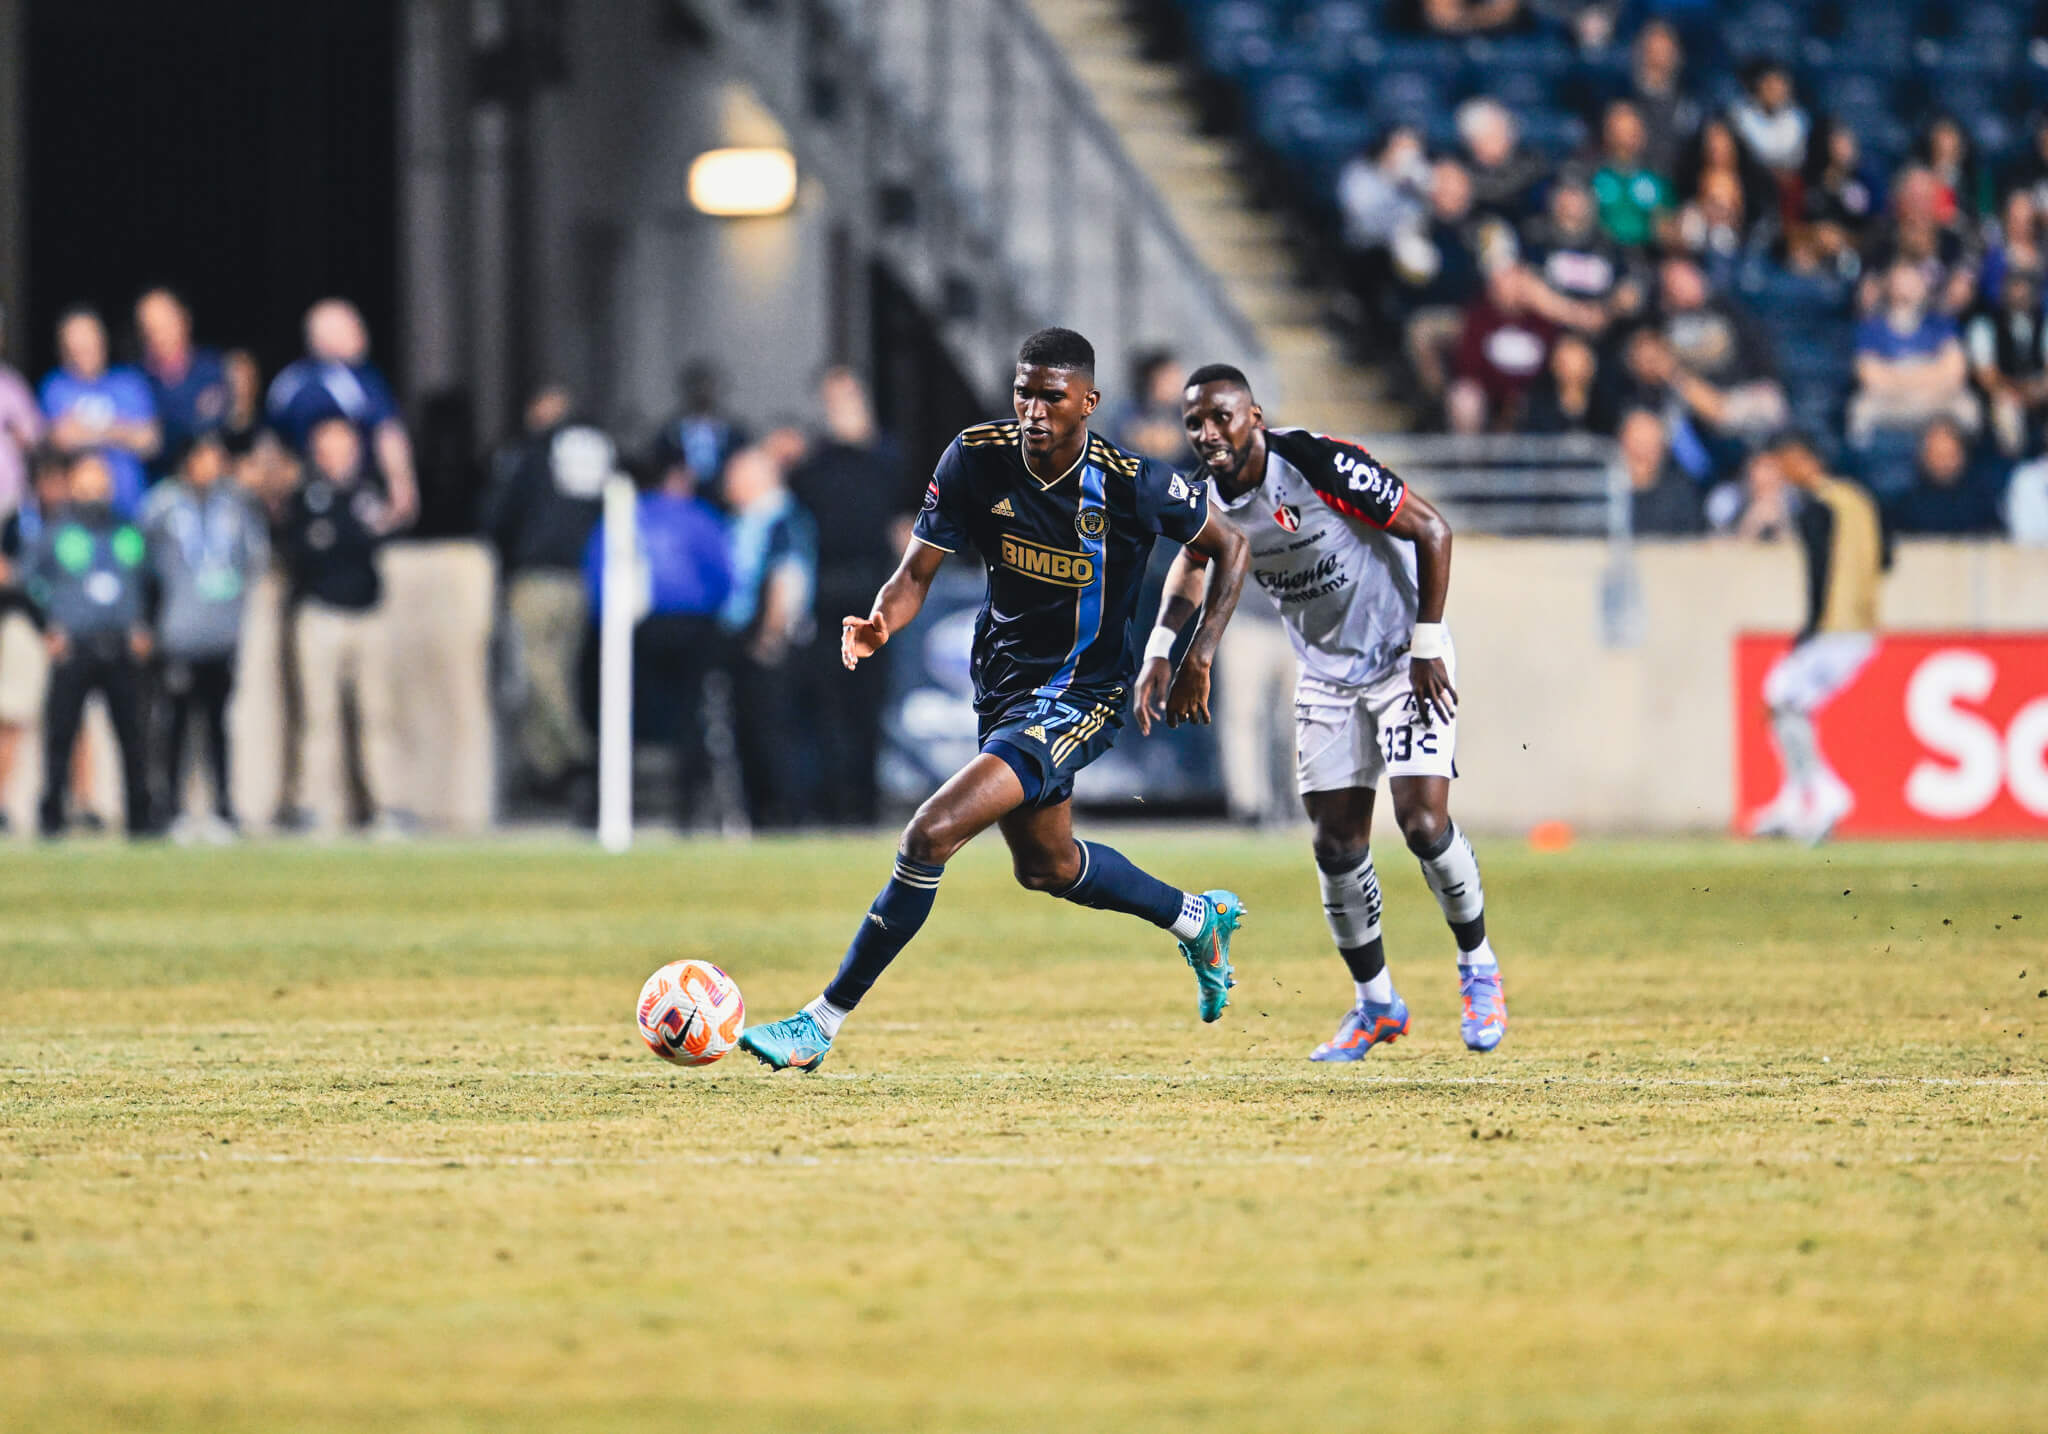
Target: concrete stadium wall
(1557, 726)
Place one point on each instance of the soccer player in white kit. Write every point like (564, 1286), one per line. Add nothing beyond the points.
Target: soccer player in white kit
(1359, 567)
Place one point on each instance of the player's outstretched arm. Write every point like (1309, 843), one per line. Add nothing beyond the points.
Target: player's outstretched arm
(1221, 552)
(1422, 525)
(899, 601)
(1179, 600)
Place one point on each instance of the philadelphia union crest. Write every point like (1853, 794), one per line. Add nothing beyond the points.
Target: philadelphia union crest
(1090, 522)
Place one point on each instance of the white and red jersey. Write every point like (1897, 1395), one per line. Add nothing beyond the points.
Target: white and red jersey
(1345, 587)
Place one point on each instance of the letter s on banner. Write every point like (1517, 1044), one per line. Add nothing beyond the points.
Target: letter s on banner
(1944, 727)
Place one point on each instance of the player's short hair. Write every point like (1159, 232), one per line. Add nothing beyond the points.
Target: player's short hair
(1219, 373)
(1058, 348)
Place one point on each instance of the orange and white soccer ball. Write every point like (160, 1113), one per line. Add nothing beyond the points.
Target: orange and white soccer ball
(691, 1013)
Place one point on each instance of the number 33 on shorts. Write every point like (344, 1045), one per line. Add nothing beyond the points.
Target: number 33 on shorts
(1352, 737)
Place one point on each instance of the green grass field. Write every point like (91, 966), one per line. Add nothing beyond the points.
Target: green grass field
(356, 1139)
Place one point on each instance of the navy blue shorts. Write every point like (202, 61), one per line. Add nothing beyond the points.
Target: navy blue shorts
(1046, 740)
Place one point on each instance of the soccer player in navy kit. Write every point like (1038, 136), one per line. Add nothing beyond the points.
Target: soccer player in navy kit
(1066, 522)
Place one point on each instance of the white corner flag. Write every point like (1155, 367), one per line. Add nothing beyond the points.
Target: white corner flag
(623, 597)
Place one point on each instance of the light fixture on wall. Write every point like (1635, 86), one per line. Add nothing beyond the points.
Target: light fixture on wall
(733, 183)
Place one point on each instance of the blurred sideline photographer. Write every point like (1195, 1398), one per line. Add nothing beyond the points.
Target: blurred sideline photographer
(773, 545)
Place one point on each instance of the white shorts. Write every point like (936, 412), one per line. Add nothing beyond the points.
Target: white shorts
(1353, 736)
(24, 670)
(1804, 679)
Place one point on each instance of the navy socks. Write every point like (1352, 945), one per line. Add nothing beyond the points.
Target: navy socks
(892, 920)
(1108, 882)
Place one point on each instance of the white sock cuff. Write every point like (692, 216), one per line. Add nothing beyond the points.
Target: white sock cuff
(828, 1016)
(1194, 912)
(1453, 874)
(1351, 902)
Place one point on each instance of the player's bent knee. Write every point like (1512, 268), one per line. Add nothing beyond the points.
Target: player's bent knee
(1044, 878)
(1424, 831)
(930, 839)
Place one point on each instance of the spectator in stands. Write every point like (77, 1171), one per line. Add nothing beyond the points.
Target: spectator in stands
(1632, 197)
(2007, 345)
(1716, 156)
(1148, 421)
(1965, 186)
(1758, 508)
(854, 486)
(1472, 17)
(333, 525)
(1909, 362)
(1504, 174)
(1664, 502)
(1668, 114)
(2017, 245)
(1714, 228)
(1440, 269)
(1573, 256)
(1384, 190)
(774, 547)
(702, 435)
(86, 574)
(688, 576)
(208, 543)
(1954, 492)
(1840, 198)
(21, 429)
(2029, 169)
(1722, 369)
(337, 380)
(1769, 120)
(24, 664)
(547, 501)
(1921, 233)
(1502, 348)
(1567, 397)
(189, 384)
(92, 408)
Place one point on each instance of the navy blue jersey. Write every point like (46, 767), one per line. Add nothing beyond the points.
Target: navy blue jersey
(1065, 558)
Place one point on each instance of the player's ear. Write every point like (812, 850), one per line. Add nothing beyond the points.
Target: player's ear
(1089, 400)
(1258, 416)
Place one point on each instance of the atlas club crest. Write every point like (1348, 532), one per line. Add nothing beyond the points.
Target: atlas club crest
(1288, 516)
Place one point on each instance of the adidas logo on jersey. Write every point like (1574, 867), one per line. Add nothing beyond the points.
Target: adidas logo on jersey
(1035, 732)
(1003, 509)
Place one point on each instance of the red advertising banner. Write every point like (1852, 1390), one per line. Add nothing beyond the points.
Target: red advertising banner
(1937, 734)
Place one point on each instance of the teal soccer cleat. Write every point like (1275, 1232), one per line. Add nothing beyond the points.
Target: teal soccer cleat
(1209, 952)
(795, 1044)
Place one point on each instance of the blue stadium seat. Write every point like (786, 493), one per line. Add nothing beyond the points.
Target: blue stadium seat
(1407, 97)
(1886, 462)
(1842, 89)
(1338, 23)
(1554, 132)
(1766, 29)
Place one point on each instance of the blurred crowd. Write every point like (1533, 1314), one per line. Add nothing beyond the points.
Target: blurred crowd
(176, 529)
(1712, 266)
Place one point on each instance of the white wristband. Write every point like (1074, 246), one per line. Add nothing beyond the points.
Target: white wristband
(1430, 640)
(1160, 644)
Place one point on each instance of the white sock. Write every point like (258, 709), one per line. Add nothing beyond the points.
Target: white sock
(1480, 957)
(1797, 749)
(828, 1016)
(1379, 990)
(1453, 874)
(1351, 903)
(1193, 913)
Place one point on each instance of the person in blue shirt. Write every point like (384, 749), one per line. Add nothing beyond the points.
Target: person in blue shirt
(683, 580)
(189, 385)
(774, 548)
(1066, 522)
(96, 409)
(337, 380)
(1909, 362)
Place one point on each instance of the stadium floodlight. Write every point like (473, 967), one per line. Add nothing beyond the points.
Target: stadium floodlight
(737, 183)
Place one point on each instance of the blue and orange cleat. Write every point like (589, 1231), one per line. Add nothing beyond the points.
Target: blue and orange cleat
(1367, 1024)
(795, 1043)
(1209, 952)
(1485, 1020)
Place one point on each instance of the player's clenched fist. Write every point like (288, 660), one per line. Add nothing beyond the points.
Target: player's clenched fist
(1150, 701)
(861, 637)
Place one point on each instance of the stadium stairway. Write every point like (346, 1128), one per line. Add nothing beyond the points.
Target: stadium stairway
(1246, 247)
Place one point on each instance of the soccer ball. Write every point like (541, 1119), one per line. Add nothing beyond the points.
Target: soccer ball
(691, 1013)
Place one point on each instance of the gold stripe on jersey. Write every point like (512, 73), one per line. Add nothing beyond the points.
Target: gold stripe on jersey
(989, 435)
(1855, 559)
(1086, 728)
(1108, 459)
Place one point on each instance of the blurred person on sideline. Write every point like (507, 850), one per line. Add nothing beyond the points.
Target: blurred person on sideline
(332, 527)
(87, 573)
(208, 543)
(1910, 365)
(547, 500)
(1148, 420)
(773, 544)
(189, 384)
(2006, 341)
(1847, 550)
(703, 434)
(685, 576)
(854, 485)
(241, 424)
(94, 408)
(1663, 501)
(336, 379)
(1956, 491)
(21, 429)
(24, 663)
